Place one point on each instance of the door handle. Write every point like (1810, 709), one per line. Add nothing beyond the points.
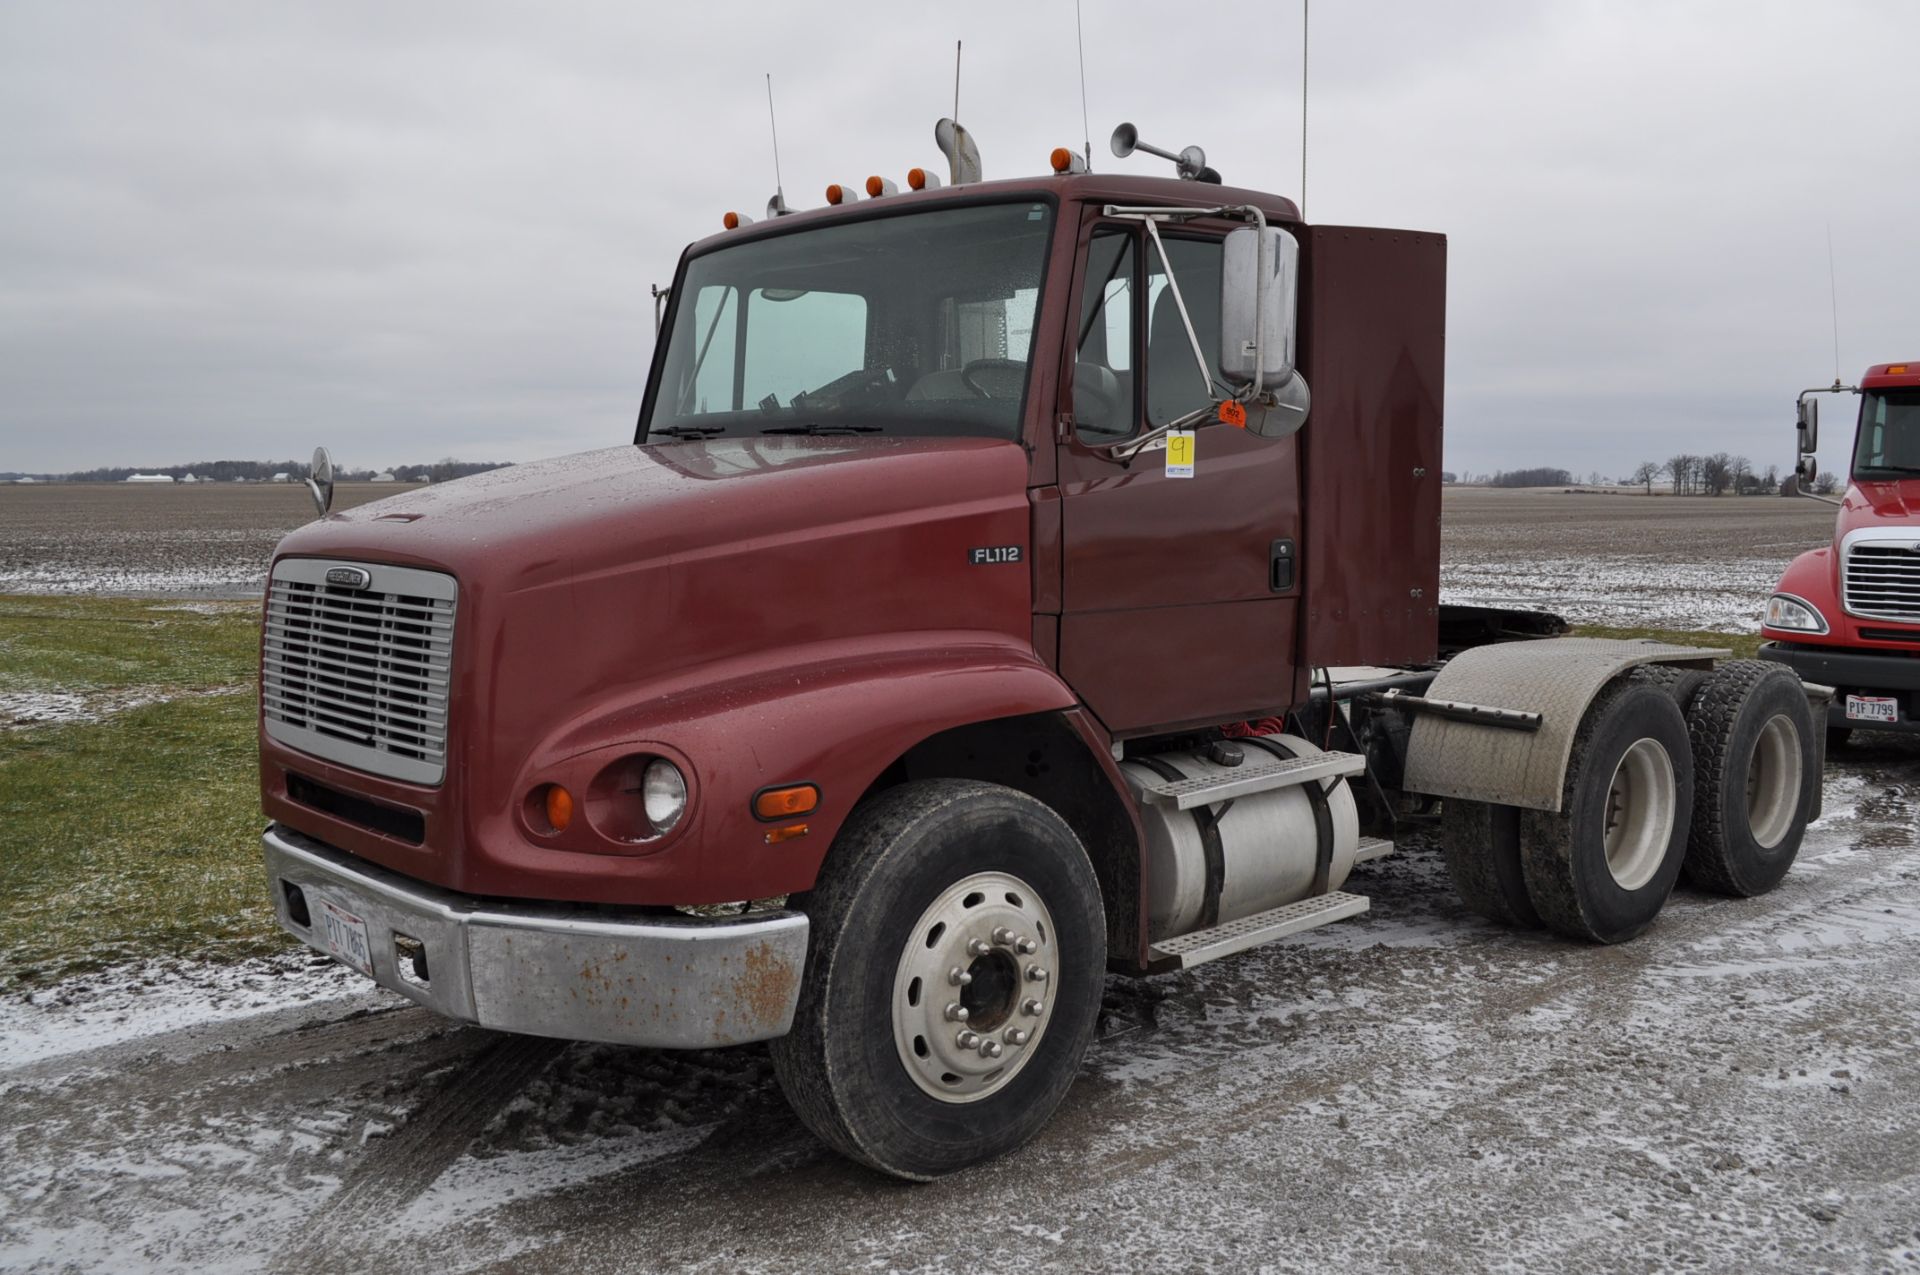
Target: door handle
(1280, 560)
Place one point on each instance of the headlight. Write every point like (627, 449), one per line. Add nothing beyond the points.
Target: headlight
(1786, 612)
(663, 793)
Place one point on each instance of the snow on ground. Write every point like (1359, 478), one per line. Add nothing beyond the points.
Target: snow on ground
(1627, 591)
(20, 709)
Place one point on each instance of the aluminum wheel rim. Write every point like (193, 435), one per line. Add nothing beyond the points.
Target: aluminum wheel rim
(974, 989)
(1639, 816)
(1773, 781)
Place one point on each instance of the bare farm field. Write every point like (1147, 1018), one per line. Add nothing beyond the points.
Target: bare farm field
(1625, 561)
(208, 540)
(1413, 1090)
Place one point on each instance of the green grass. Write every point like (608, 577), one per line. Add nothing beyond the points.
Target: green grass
(136, 835)
(1743, 645)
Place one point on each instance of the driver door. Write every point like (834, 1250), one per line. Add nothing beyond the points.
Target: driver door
(1179, 596)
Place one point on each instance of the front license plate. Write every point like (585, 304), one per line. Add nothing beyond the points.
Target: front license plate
(345, 936)
(1873, 708)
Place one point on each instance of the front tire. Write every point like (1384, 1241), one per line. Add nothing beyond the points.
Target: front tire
(953, 978)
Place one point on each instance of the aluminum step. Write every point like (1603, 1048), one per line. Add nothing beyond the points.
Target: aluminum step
(1253, 776)
(1372, 848)
(1252, 931)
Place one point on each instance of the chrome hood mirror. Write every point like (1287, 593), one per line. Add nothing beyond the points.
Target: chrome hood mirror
(320, 480)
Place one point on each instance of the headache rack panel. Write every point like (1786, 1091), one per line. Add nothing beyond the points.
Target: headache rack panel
(359, 676)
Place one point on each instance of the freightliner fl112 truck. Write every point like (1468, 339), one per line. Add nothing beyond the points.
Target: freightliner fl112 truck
(1847, 614)
(984, 604)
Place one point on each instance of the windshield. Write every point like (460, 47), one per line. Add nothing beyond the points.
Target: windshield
(1889, 444)
(914, 324)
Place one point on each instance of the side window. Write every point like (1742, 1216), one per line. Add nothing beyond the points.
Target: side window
(798, 342)
(1174, 384)
(1103, 406)
(716, 322)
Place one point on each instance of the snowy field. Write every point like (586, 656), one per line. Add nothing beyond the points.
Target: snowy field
(1412, 1090)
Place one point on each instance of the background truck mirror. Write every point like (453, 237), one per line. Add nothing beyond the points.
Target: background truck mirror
(1809, 425)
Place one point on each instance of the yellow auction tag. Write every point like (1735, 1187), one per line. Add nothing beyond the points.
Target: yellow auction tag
(1180, 453)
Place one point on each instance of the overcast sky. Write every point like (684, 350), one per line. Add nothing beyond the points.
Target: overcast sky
(418, 230)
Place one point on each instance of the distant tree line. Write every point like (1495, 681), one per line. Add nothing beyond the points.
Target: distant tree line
(256, 471)
(1716, 475)
(1540, 477)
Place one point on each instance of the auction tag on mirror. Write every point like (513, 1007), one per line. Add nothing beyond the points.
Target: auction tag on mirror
(1179, 453)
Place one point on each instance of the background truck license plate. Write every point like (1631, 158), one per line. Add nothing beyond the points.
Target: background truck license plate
(1873, 708)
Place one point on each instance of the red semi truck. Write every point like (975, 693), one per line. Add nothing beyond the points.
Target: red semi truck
(984, 604)
(1847, 615)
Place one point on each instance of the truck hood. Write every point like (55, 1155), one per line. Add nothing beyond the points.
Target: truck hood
(619, 509)
(1879, 504)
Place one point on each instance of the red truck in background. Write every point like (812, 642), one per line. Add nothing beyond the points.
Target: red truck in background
(1847, 615)
(983, 604)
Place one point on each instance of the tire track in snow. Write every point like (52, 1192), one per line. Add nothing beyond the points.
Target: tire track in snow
(397, 1170)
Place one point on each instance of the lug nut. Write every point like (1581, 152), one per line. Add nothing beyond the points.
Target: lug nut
(1018, 1035)
(1025, 946)
(1036, 974)
(967, 1040)
(959, 977)
(990, 1049)
(978, 947)
(1031, 1008)
(1002, 936)
(957, 1013)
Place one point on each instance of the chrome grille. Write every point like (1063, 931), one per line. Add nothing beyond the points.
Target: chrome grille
(360, 675)
(1882, 581)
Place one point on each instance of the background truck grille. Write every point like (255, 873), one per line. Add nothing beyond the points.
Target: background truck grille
(1882, 581)
(360, 675)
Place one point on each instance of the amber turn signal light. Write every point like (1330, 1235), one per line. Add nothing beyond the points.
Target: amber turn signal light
(786, 803)
(559, 807)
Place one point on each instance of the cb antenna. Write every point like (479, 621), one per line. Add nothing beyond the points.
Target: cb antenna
(1305, 5)
(956, 81)
(1833, 297)
(779, 191)
(1086, 129)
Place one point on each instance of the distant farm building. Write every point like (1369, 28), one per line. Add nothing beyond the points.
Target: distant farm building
(384, 476)
(189, 479)
(283, 477)
(149, 478)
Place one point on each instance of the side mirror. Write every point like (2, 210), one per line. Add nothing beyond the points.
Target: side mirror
(1809, 425)
(1259, 289)
(320, 480)
(1807, 471)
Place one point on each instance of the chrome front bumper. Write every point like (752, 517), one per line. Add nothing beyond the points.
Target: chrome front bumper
(547, 969)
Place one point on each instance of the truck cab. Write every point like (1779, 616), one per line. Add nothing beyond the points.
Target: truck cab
(1847, 614)
(984, 602)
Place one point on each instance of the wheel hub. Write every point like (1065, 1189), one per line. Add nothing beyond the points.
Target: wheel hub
(1639, 814)
(1773, 781)
(973, 991)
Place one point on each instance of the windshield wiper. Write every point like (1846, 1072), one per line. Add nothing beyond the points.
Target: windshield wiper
(687, 431)
(1890, 469)
(822, 427)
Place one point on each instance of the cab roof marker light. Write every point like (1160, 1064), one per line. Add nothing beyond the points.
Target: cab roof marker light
(1065, 160)
(922, 179)
(735, 220)
(839, 194)
(1896, 369)
(879, 187)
